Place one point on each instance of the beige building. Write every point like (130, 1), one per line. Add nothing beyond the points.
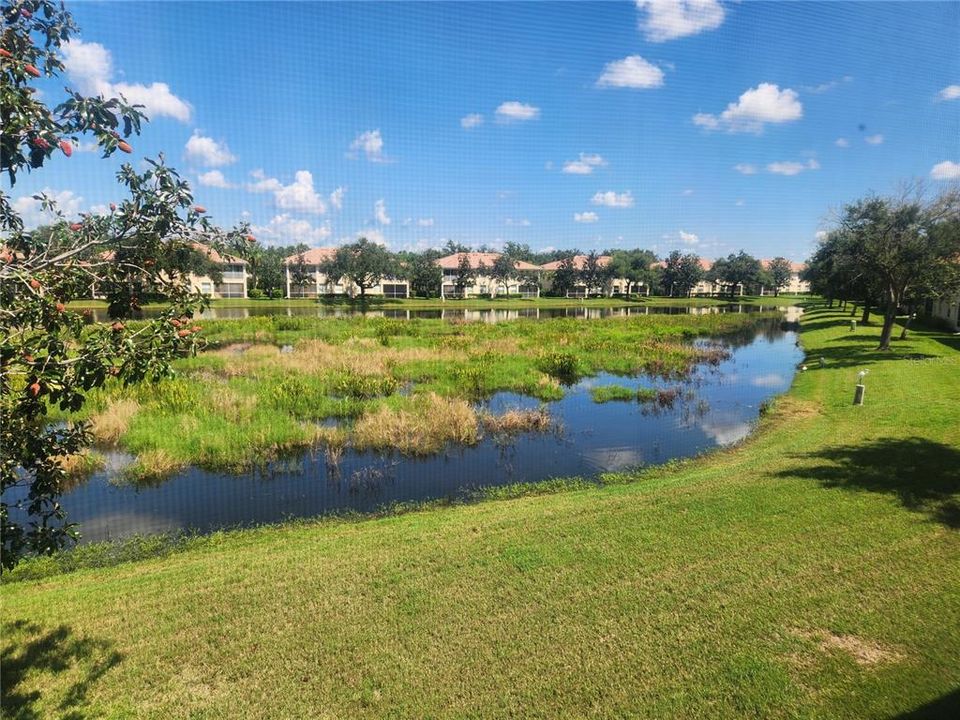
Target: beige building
(526, 282)
(947, 310)
(794, 286)
(312, 282)
(233, 281)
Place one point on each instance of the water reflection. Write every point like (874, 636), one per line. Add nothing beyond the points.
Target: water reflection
(456, 314)
(717, 407)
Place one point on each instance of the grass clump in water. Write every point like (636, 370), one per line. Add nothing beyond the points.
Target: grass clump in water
(613, 393)
(421, 425)
(516, 421)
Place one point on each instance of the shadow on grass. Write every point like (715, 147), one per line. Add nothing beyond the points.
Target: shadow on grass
(922, 474)
(945, 707)
(29, 649)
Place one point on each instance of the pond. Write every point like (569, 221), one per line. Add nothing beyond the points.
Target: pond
(459, 313)
(717, 406)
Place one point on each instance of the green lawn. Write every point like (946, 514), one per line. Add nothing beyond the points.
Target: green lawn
(812, 572)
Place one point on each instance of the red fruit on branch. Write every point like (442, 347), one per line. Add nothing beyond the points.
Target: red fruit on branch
(199, 209)
(5, 53)
(196, 328)
(26, 13)
(34, 283)
(183, 333)
(6, 257)
(28, 358)
(31, 70)
(251, 239)
(41, 143)
(76, 226)
(60, 307)
(113, 207)
(34, 388)
(124, 146)
(117, 327)
(66, 147)
(175, 322)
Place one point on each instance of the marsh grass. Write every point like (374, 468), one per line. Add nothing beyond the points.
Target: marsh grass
(516, 421)
(264, 383)
(420, 425)
(613, 393)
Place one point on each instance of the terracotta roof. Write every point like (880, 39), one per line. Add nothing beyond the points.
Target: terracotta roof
(579, 262)
(313, 256)
(451, 262)
(216, 257)
(794, 266)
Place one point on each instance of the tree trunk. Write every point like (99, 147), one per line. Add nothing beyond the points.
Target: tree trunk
(889, 318)
(853, 310)
(906, 325)
(865, 318)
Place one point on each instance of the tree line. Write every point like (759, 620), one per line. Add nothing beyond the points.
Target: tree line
(890, 254)
(365, 264)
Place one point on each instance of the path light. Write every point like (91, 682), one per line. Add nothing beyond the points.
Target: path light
(823, 361)
(858, 392)
(853, 326)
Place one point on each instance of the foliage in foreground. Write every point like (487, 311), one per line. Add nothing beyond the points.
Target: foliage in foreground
(51, 356)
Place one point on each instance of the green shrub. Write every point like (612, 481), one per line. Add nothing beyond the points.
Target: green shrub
(255, 294)
(563, 366)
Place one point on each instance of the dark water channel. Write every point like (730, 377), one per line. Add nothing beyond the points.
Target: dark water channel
(718, 406)
(458, 313)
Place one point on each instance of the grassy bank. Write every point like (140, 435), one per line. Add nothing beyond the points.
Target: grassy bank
(811, 572)
(270, 385)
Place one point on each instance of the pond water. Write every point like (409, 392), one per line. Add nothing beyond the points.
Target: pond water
(718, 406)
(462, 314)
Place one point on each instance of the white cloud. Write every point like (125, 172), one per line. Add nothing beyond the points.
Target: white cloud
(821, 234)
(214, 178)
(286, 230)
(585, 217)
(946, 170)
(336, 198)
(740, 203)
(745, 168)
(31, 212)
(370, 143)
(874, 139)
(688, 192)
(663, 20)
(373, 235)
(631, 72)
(425, 222)
(612, 199)
(688, 238)
(90, 67)
(756, 107)
(207, 151)
(950, 92)
(380, 212)
(583, 166)
(841, 142)
(825, 87)
(792, 168)
(514, 111)
(298, 195)
(523, 222)
(467, 122)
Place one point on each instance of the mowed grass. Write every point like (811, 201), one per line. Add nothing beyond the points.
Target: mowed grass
(810, 572)
(270, 386)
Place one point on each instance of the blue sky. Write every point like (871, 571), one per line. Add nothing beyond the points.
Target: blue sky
(703, 126)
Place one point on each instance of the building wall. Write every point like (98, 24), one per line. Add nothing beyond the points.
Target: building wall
(948, 310)
(321, 285)
(484, 285)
